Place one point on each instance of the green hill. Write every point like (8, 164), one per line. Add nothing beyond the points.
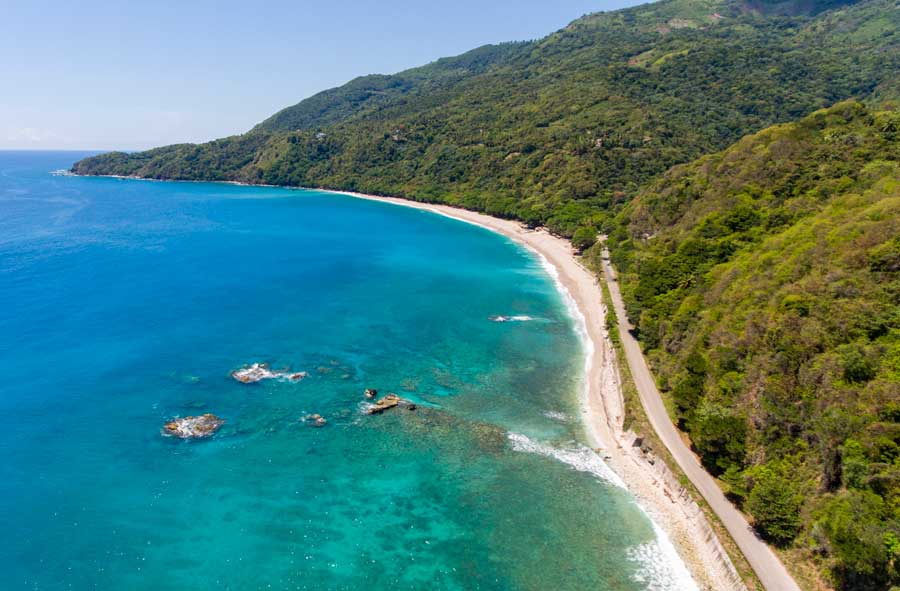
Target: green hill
(762, 270)
(765, 281)
(559, 130)
(368, 94)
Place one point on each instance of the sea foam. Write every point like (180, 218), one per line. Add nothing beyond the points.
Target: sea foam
(580, 458)
(260, 371)
(516, 318)
(660, 566)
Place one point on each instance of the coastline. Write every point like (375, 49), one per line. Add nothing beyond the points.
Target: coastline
(681, 526)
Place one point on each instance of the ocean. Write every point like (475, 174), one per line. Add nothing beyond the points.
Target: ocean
(125, 304)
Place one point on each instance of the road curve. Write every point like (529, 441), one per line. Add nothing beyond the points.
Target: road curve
(762, 559)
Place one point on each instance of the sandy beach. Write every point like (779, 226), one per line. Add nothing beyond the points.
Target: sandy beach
(648, 479)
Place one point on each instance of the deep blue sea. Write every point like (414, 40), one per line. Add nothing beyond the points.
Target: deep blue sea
(126, 303)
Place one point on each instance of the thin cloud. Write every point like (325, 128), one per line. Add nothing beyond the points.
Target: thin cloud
(35, 135)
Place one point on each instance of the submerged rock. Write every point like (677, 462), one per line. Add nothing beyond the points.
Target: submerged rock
(314, 420)
(370, 393)
(193, 427)
(260, 371)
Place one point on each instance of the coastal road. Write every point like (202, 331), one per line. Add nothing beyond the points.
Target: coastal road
(762, 559)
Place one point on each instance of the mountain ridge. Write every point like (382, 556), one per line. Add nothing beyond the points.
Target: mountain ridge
(751, 208)
(560, 130)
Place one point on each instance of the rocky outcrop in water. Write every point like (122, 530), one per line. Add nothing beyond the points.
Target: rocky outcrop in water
(260, 371)
(193, 427)
(388, 402)
(370, 393)
(314, 420)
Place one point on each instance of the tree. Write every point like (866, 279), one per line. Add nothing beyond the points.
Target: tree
(584, 238)
(718, 436)
(860, 538)
(775, 506)
(854, 465)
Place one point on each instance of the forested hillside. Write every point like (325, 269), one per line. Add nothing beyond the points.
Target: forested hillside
(560, 130)
(764, 279)
(765, 282)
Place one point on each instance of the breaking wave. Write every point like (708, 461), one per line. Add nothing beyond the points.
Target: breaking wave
(580, 458)
(516, 318)
(556, 415)
(660, 567)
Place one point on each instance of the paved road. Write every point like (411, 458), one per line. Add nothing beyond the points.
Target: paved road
(765, 563)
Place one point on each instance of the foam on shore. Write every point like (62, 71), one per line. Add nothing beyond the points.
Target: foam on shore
(661, 568)
(582, 459)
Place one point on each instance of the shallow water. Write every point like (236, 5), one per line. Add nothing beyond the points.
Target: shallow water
(126, 303)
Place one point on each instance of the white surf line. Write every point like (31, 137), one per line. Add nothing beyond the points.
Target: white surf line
(677, 576)
(662, 569)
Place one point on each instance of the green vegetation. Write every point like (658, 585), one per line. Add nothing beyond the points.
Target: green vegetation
(561, 130)
(765, 280)
(635, 420)
(774, 506)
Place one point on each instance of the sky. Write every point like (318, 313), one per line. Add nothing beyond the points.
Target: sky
(131, 74)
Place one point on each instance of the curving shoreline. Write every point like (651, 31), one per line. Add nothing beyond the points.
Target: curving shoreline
(682, 528)
(680, 522)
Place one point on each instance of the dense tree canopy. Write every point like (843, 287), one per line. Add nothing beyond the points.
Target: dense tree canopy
(560, 130)
(765, 282)
(764, 279)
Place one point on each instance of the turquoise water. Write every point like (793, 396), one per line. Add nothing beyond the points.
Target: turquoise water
(126, 303)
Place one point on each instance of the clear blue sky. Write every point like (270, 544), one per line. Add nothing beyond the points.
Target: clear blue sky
(130, 74)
